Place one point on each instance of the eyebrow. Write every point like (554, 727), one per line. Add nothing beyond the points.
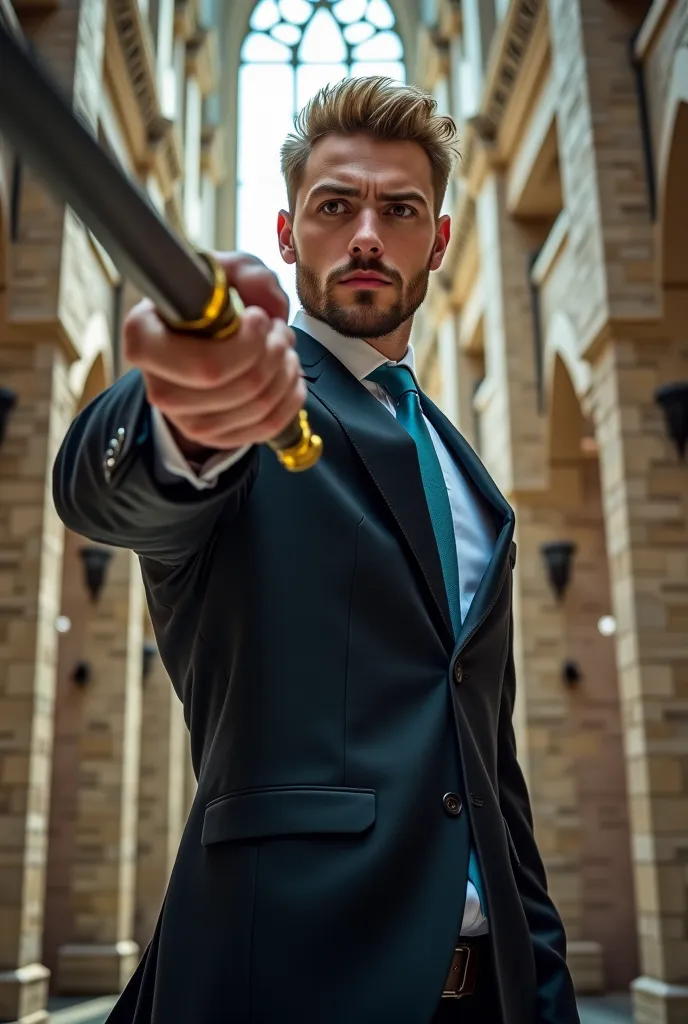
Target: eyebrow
(334, 188)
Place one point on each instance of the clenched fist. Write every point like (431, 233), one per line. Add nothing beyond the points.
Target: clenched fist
(222, 395)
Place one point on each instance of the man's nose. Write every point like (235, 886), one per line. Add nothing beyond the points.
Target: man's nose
(366, 240)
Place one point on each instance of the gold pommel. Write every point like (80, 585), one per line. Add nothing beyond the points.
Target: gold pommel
(305, 453)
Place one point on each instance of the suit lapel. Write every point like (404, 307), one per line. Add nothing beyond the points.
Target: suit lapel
(388, 454)
(465, 457)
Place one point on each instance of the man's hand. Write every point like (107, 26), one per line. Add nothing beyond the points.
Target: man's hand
(221, 395)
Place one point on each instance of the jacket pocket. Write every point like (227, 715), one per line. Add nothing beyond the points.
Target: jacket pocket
(287, 811)
(512, 845)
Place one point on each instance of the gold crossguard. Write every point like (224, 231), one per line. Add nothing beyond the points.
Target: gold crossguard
(296, 447)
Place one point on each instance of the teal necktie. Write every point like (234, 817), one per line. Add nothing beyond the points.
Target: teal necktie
(401, 385)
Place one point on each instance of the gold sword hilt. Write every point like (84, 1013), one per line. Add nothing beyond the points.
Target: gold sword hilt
(296, 447)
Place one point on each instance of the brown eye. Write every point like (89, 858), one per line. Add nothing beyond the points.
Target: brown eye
(330, 207)
(402, 211)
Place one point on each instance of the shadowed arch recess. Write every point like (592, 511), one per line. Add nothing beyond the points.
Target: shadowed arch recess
(672, 167)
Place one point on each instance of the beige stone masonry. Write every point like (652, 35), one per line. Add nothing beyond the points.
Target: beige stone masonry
(31, 538)
(101, 954)
(512, 428)
(162, 798)
(646, 513)
(602, 166)
(573, 732)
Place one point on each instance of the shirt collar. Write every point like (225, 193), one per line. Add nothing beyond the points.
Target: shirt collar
(355, 354)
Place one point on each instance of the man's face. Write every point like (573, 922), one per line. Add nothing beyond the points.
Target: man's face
(363, 235)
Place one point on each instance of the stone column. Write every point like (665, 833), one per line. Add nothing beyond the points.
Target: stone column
(70, 694)
(646, 510)
(31, 539)
(162, 792)
(575, 760)
(613, 240)
(515, 450)
(102, 953)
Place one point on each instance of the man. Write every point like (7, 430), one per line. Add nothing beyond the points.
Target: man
(360, 848)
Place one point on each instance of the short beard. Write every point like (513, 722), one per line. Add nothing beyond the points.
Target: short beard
(364, 320)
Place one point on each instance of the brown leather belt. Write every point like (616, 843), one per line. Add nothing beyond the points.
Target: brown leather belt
(463, 972)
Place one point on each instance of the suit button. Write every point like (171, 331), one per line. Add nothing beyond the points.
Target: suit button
(452, 804)
(458, 672)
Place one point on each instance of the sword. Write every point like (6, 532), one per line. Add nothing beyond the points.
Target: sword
(189, 288)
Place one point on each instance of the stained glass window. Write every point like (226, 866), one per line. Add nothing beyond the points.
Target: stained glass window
(292, 49)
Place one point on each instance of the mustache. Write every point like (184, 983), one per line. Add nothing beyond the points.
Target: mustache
(374, 265)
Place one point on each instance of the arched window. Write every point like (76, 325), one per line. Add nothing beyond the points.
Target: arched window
(293, 48)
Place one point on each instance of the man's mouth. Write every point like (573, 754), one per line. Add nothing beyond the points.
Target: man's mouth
(365, 279)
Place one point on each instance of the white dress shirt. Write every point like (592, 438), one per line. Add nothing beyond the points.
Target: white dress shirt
(473, 529)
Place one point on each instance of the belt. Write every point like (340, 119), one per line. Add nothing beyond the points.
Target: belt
(463, 972)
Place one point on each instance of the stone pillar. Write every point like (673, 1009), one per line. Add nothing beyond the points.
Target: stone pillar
(515, 450)
(646, 509)
(69, 703)
(162, 792)
(575, 758)
(31, 539)
(101, 953)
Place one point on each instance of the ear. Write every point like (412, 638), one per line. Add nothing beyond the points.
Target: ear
(441, 241)
(284, 236)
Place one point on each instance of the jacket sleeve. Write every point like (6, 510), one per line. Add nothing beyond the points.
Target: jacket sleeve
(105, 486)
(556, 1001)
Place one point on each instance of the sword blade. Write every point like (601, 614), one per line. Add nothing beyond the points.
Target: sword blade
(40, 125)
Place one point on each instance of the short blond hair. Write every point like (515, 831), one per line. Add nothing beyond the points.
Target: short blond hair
(378, 107)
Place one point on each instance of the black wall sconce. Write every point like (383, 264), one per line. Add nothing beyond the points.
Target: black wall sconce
(571, 673)
(673, 400)
(8, 400)
(558, 556)
(149, 652)
(96, 561)
(82, 674)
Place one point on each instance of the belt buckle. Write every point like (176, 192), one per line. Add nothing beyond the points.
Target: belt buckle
(463, 954)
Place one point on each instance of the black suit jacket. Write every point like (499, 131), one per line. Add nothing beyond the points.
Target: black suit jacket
(304, 623)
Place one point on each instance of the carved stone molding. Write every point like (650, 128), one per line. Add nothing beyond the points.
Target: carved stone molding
(212, 152)
(186, 16)
(136, 45)
(449, 21)
(509, 53)
(202, 59)
(160, 152)
(507, 58)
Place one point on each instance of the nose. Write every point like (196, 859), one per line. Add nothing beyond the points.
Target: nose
(366, 239)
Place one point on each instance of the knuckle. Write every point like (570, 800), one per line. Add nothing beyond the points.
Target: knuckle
(263, 405)
(254, 379)
(258, 320)
(278, 352)
(209, 371)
